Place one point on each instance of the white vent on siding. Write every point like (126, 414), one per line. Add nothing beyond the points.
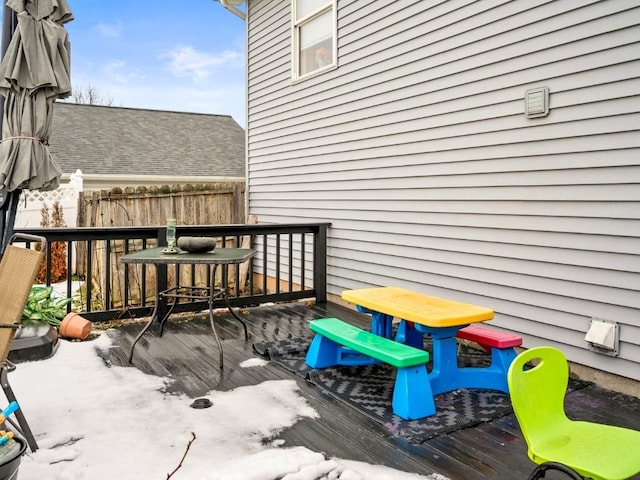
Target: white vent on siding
(603, 336)
(536, 102)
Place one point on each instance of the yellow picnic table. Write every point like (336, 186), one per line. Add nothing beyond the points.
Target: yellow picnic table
(441, 319)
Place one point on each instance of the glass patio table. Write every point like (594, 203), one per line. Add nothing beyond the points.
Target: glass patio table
(219, 257)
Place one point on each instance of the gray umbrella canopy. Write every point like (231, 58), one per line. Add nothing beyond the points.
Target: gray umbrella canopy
(35, 71)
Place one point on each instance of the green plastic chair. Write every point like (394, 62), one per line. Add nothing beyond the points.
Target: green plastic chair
(592, 450)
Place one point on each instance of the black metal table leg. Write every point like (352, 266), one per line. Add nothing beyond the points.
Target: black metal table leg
(212, 297)
(244, 325)
(144, 330)
(225, 293)
(170, 311)
(215, 334)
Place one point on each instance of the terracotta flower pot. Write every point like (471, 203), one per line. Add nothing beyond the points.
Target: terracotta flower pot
(75, 326)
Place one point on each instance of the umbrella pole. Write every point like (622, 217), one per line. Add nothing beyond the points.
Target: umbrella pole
(9, 210)
(9, 205)
(9, 24)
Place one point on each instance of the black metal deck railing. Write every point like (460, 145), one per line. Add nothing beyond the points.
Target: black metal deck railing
(290, 265)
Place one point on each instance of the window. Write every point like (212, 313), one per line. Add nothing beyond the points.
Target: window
(314, 36)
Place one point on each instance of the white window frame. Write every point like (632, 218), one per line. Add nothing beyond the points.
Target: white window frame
(296, 25)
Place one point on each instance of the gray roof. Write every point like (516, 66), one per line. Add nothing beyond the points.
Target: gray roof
(114, 140)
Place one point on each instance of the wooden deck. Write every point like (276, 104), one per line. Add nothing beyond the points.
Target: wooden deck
(188, 354)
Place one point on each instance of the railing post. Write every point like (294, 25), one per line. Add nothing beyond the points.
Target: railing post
(320, 263)
(162, 277)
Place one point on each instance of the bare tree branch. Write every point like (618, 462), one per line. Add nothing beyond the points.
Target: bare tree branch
(193, 437)
(90, 95)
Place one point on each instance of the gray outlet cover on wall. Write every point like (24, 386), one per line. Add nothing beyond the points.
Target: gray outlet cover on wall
(536, 102)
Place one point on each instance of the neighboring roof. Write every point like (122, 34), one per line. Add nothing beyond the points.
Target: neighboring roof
(114, 140)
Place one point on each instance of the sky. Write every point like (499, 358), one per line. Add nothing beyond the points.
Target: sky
(180, 56)
(95, 421)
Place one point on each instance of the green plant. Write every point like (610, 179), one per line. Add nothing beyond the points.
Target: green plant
(43, 307)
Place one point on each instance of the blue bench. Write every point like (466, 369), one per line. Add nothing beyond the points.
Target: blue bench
(336, 342)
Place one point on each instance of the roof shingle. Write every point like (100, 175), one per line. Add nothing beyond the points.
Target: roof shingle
(114, 140)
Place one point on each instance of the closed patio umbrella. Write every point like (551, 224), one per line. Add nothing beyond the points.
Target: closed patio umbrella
(35, 71)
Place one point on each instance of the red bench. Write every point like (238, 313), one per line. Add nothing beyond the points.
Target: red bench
(499, 344)
(489, 338)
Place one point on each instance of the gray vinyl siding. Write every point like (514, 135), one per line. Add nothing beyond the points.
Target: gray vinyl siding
(417, 150)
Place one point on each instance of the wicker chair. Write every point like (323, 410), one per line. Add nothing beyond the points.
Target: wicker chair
(18, 269)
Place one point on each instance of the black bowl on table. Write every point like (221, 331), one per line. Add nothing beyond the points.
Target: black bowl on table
(196, 244)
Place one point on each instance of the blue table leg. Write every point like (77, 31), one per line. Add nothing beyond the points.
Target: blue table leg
(408, 335)
(381, 323)
(446, 376)
(412, 397)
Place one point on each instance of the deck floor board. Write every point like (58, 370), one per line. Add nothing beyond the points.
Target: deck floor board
(188, 354)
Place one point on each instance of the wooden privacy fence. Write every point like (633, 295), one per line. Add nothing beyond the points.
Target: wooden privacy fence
(202, 204)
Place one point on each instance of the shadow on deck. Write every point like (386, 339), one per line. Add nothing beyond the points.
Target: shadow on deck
(187, 353)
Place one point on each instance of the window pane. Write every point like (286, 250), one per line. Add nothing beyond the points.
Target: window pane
(315, 31)
(305, 7)
(316, 44)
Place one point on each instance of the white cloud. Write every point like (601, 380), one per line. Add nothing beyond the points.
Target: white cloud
(212, 87)
(186, 61)
(119, 72)
(112, 30)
